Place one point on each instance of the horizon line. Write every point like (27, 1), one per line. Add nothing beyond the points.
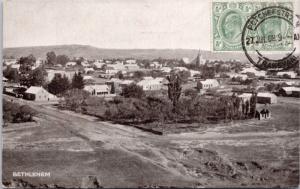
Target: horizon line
(111, 48)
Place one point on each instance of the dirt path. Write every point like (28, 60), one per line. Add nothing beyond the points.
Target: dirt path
(215, 156)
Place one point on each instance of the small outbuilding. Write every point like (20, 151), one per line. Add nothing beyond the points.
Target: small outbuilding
(36, 93)
(97, 90)
(266, 98)
(289, 91)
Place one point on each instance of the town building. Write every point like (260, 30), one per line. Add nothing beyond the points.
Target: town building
(266, 98)
(39, 94)
(290, 74)
(289, 91)
(131, 61)
(166, 69)
(89, 70)
(151, 84)
(118, 84)
(98, 65)
(70, 64)
(194, 73)
(209, 84)
(155, 65)
(52, 72)
(98, 90)
(236, 75)
(254, 71)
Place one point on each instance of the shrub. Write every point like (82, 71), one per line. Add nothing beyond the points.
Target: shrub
(133, 91)
(13, 112)
(73, 99)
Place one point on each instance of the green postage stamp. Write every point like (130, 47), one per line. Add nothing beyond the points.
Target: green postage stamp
(272, 25)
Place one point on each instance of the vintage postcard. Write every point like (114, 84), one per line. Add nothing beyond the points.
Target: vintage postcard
(150, 94)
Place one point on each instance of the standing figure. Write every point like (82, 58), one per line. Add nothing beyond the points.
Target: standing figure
(243, 108)
(257, 114)
(263, 113)
(247, 107)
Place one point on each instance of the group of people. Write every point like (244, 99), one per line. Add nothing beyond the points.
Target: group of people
(264, 113)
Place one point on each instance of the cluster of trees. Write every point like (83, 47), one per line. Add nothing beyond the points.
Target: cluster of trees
(74, 99)
(12, 74)
(16, 113)
(27, 75)
(157, 109)
(60, 84)
(274, 87)
(52, 59)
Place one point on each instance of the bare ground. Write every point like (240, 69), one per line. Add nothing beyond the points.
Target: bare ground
(71, 146)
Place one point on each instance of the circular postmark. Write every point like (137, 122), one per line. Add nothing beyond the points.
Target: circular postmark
(267, 39)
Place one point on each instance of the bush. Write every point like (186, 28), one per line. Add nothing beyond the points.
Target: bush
(154, 109)
(133, 91)
(14, 113)
(73, 99)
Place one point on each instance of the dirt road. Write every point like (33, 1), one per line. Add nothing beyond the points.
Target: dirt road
(71, 146)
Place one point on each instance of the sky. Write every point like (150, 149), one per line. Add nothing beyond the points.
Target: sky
(108, 23)
(121, 24)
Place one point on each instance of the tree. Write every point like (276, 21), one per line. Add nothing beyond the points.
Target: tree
(62, 59)
(51, 58)
(253, 101)
(25, 70)
(38, 77)
(184, 75)
(119, 75)
(138, 74)
(174, 88)
(133, 91)
(208, 72)
(156, 73)
(77, 81)
(59, 84)
(11, 74)
(191, 93)
(26, 63)
(74, 98)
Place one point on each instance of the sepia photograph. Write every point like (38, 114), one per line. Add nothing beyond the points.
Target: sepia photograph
(150, 93)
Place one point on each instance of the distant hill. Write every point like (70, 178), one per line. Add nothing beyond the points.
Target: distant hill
(91, 52)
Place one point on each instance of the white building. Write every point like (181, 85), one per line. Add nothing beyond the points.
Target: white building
(51, 73)
(181, 68)
(194, 72)
(209, 84)
(151, 84)
(291, 74)
(186, 60)
(155, 65)
(10, 61)
(85, 64)
(131, 61)
(89, 70)
(98, 65)
(254, 71)
(97, 90)
(236, 75)
(88, 78)
(265, 98)
(70, 64)
(166, 69)
(131, 67)
(39, 94)
(15, 66)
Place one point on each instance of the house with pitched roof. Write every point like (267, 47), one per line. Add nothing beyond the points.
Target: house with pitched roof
(37, 93)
